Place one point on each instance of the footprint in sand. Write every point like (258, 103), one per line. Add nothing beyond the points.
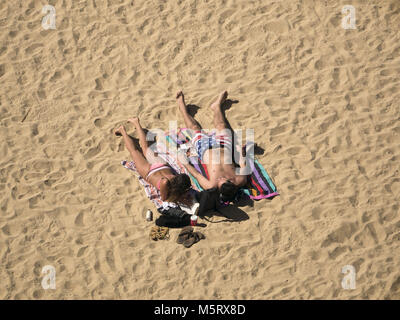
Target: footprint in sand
(99, 123)
(92, 152)
(81, 251)
(2, 70)
(79, 220)
(110, 260)
(345, 231)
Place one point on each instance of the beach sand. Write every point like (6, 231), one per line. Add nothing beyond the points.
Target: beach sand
(324, 105)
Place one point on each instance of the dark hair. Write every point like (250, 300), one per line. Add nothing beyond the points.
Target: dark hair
(228, 191)
(178, 186)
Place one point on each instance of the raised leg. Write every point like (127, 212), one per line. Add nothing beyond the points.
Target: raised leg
(141, 163)
(149, 154)
(221, 124)
(189, 120)
(219, 120)
(142, 135)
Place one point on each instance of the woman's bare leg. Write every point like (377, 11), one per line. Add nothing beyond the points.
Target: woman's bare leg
(141, 163)
(189, 120)
(142, 135)
(149, 154)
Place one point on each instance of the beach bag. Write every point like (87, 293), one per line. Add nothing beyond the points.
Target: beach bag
(173, 218)
(209, 200)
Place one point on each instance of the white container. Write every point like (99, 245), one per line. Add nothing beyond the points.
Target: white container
(149, 215)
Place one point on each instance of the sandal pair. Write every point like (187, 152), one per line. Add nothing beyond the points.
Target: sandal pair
(188, 238)
(159, 233)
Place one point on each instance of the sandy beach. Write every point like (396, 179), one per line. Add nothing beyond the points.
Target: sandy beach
(324, 103)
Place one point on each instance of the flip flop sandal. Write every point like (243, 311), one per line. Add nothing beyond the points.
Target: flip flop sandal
(200, 235)
(193, 238)
(184, 234)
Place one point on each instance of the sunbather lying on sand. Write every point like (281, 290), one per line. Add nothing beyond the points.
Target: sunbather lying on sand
(173, 188)
(215, 151)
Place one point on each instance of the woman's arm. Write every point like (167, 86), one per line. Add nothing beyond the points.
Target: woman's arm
(204, 182)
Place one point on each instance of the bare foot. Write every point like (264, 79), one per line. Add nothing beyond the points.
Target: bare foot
(134, 121)
(119, 131)
(220, 100)
(180, 98)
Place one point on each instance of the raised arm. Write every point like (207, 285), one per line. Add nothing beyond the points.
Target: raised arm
(244, 171)
(204, 182)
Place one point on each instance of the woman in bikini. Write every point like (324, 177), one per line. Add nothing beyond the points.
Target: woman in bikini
(172, 187)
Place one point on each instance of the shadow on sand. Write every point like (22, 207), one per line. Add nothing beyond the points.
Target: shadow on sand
(231, 213)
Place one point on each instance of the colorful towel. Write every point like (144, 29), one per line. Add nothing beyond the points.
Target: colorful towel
(260, 183)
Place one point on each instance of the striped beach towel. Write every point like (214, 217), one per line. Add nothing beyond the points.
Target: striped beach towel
(260, 184)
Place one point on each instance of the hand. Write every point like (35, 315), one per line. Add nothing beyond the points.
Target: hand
(182, 157)
(239, 149)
